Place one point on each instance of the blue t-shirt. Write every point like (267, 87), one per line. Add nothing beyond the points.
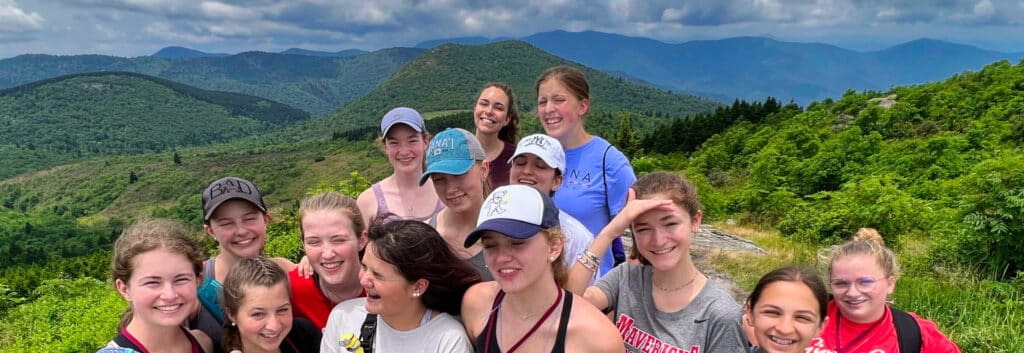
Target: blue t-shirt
(583, 193)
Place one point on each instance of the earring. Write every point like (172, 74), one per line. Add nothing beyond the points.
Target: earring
(551, 259)
(415, 294)
(233, 323)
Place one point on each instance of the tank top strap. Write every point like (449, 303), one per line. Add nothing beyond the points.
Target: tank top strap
(208, 267)
(563, 324)
(196, 348)
(382, 204)
(487, 342)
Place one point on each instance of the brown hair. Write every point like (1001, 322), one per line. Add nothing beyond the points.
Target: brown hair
(509, 133)
(247, 273)
(147, 235)
(678, 189)
(681, 191)
(867, 241)
(333, 201)
(418, 252)
(799, 274)
(568, 76)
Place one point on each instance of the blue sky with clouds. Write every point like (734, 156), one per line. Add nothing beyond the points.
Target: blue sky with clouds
(141, 27)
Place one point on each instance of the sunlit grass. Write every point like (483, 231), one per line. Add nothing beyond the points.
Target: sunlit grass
(979, 315)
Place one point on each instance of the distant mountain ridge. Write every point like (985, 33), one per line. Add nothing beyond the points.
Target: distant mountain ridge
(311, 83)
(185, 53)
(448, 78)
(340, 54)
(752, 68)
(81, 116)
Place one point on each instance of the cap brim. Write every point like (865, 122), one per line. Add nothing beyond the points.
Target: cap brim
(509, 227)
(384, 132)
(540, 154)
(451, 166)
(217, 204)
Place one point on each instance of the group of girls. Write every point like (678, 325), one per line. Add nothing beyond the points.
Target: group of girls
(431, 259)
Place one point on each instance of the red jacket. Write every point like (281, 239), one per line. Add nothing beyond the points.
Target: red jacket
(880, 339)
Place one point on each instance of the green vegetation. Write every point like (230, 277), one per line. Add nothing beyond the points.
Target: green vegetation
(935, 168)
(77, 117)
(313, 84)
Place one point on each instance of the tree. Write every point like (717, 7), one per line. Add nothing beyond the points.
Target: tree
(132, 178)
(177, 158)
(626, 139)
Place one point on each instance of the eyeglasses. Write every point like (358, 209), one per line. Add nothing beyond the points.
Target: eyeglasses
(863, 284)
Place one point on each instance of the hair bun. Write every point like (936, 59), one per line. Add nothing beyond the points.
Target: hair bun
(869, 234)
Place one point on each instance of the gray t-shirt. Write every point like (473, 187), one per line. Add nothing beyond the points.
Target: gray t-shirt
(443, 333)
(710, 323)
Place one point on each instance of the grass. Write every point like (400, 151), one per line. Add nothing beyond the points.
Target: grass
(979, 315)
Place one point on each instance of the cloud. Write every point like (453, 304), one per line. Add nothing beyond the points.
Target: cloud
(238, 25)
(14, 20)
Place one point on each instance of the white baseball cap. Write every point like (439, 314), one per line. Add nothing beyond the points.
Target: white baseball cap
(545, 147)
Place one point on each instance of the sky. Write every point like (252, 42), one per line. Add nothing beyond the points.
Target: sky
(142, 27)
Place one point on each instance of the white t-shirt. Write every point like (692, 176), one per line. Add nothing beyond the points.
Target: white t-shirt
(443, 333)
(577, 239)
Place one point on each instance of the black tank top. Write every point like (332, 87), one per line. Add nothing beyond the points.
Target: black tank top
(483, 338)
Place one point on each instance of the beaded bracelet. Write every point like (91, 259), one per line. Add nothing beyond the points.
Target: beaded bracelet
(587, 262)
(593, 258)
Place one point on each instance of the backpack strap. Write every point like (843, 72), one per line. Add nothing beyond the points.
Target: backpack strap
(367, 331)
(908, 332)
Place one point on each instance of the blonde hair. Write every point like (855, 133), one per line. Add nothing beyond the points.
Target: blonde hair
(869, 242)
(558, 267)
(333, 201)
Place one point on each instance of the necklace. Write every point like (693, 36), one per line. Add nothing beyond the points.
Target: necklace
(491, 322)
(674, 289)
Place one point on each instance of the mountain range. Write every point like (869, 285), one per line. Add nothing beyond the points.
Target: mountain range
(749, 68)
(82, 116)
(316, 84)
(753, 68)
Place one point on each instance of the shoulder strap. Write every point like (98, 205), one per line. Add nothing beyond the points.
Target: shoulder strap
(367, 331)
(604, 179)
(382, 204)
(908, 332)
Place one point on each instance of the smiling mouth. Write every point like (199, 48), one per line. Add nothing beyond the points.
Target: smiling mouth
(331, 265)
(243, 242)
(169, 308)
(663, 251)
(780, 341)
(526, 181)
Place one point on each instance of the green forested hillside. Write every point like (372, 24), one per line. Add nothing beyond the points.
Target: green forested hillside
(81, 116)
(938, 164)
(449, 77)
(313, 84)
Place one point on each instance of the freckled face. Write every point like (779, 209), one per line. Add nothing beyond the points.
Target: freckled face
(560, 111)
